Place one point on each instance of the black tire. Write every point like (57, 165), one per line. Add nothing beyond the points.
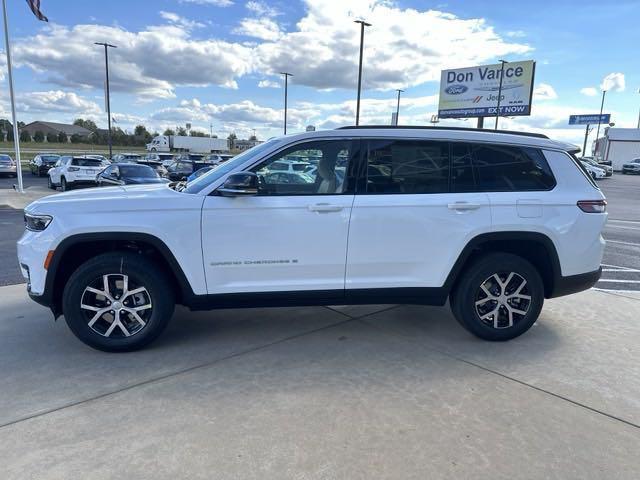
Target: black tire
(50, 183)
(468, 291)
(140, 272)
(63, 184)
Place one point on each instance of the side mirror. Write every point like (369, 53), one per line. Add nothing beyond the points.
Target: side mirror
(240, 184)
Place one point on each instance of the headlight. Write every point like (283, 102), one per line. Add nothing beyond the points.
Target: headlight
(36, 223)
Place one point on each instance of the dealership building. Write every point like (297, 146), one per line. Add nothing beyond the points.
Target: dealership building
(619, 146)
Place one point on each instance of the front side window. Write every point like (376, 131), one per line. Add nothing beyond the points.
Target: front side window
(501, 168)
(281, 175)
(407, 167)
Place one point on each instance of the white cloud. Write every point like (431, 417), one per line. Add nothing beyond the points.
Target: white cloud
(215, 3)
(544, 91)
(262, 28)
(149, 63)
(404, 47)
(613, 82)
(589, 91)
(261, 9)
(57, 101)
(268, 84)
(180, 21)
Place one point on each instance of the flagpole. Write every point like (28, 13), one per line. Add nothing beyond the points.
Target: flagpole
(16, 136)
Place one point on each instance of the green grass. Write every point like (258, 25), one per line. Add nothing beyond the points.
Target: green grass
(28, 150)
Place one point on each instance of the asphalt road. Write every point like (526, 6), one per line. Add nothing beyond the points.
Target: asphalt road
(621, 263)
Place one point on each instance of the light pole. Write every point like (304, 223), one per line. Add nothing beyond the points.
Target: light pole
(106, 65)
(587, 131)
(604, 92)
(362, 25)
(639, 114)
(398, 106)
(502, 62)
(286, 85)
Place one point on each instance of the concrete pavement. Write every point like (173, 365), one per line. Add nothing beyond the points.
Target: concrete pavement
(348, 392)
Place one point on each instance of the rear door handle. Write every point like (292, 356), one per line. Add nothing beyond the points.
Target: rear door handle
(460, 206)
(324, 208)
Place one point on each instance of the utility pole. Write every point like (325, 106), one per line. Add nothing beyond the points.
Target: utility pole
(398, 106)
(499, 91)
(587, 131)
(16, 132)
(604, 92)
(286, 85)
(106, 64)
(362, 25)
(639, 114)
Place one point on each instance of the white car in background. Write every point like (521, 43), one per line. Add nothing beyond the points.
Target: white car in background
(596, 173)
(8, 166)
(70, 172)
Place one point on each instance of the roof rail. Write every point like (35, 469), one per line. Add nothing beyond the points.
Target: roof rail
(426, 127)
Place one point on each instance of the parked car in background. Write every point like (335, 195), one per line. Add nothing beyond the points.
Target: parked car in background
(633, 167)
(196, 157)
(126, 158)
(608, 169)
(200, 172)
(180, 170)
(41, 163)
(70, 172)
(596, 173)
(156, 165)
(216, 158)
(165, 158)
(128, 174)
(8, 166)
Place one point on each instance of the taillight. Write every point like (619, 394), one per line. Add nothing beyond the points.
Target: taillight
(593, 206)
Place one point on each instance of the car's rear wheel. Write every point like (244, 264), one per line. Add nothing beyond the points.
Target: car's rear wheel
(118, 302)
(499, 297)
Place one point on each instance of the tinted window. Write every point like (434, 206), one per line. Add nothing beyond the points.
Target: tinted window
(86, 162)
(407, 166)
(502, 168)
(139, 171)
(462, 176)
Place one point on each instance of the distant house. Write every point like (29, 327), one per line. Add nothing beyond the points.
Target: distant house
(56, 129)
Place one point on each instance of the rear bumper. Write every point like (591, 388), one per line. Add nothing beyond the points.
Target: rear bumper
(575, 283)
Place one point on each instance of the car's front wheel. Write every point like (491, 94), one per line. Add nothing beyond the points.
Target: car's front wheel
(499, 297)
(63, 184)
(118, 302)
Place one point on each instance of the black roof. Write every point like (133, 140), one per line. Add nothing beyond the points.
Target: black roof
(426, 127)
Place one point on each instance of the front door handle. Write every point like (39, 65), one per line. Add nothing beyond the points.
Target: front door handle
(324, 208)
(460, 206)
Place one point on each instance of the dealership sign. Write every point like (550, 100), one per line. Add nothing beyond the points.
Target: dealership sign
(589, 119)
(473, 92)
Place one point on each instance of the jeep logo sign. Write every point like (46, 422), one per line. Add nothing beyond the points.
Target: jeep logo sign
(455, 89)
(473, 91)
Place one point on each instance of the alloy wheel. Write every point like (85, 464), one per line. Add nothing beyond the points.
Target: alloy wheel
(115, 306)
(502, 300)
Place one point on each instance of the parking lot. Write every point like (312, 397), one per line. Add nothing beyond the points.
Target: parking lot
(387, 391)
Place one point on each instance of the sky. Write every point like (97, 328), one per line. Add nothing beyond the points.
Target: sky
(216, 63)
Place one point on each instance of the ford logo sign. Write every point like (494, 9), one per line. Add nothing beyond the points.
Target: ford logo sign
(455, 89)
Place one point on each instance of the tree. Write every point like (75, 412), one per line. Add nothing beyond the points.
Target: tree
(6, 127)
(140, 131)
(168, 132)
(232, 140)
(62, 137)
(253, 138)
(75, 138)
(181, 131)
(25, 136)
(10, 135)
(52, 137)
(195, 133)
(38, 136)
(88, 124)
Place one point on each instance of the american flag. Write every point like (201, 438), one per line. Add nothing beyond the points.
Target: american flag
(35, 8)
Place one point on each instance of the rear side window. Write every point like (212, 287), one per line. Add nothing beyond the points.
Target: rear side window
(407, 167)
(504, 168)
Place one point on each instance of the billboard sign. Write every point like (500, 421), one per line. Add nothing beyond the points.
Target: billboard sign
(473, 91)
(589, 119)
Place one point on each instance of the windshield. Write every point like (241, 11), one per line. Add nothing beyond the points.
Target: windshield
(222, 169)
(50, 158)
(139, 171)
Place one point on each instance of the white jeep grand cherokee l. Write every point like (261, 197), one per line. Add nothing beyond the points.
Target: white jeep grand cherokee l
(493, 221)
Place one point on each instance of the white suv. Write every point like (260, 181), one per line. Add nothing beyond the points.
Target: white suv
(69, 172)
(493, 221)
